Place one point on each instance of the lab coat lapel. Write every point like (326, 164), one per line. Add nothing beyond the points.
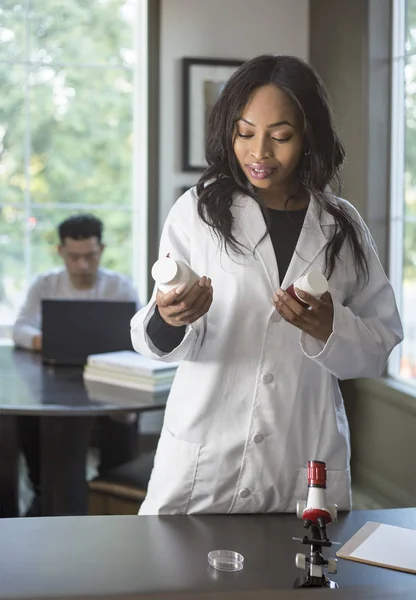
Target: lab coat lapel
(316, 231)
(249, 228)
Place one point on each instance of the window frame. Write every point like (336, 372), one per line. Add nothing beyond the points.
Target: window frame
(397, 165)
(139, 208)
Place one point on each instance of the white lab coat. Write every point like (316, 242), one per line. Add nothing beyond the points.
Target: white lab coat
(254, 398)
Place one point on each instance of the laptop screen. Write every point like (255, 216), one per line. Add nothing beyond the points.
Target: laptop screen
(74, 329)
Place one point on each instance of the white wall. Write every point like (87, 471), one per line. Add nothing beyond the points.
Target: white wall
(238, 29)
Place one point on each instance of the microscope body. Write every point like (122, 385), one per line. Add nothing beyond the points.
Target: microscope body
(316, 514)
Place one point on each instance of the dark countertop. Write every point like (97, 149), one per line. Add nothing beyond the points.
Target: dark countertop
(349, 593)
(130, 555)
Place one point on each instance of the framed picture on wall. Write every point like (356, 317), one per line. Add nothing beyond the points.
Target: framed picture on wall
(203, 81)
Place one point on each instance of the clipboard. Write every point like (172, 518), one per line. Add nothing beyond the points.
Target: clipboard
(382, 545)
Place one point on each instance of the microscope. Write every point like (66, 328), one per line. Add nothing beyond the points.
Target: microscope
(316, 514)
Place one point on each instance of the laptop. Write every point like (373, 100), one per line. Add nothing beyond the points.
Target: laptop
(74, 329)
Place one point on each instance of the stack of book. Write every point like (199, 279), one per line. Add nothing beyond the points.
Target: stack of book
(130, 370)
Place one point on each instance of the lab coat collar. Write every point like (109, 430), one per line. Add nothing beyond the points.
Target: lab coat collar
(250, 227)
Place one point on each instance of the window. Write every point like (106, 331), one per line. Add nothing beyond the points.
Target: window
(403, 183)
(68, 78)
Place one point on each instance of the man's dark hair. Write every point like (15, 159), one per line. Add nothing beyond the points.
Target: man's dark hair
(80, 227)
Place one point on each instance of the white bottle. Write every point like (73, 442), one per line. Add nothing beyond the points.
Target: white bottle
(169, 274)
(313, 283)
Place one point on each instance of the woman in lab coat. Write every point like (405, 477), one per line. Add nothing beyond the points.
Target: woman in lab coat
(256, 394)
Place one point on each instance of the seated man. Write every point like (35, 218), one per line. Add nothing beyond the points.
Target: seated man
(81, 278)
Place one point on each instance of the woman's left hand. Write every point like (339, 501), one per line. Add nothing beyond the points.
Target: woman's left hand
(316, 321)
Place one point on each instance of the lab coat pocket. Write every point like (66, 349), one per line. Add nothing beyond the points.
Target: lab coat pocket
(172, 480)
(338, 488)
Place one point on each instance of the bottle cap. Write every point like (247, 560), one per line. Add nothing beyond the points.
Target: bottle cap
(313, 283)
(164, 270)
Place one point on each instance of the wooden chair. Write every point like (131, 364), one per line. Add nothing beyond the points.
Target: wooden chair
(121, 490)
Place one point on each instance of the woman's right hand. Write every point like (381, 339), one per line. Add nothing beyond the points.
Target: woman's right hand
(185, 305)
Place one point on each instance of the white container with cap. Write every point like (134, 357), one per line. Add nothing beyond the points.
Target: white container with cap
(313, 283)
(169, 274)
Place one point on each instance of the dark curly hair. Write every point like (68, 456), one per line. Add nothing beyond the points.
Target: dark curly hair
(80, 227)
(322, 157)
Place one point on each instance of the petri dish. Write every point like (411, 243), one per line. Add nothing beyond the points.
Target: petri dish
(225, 560)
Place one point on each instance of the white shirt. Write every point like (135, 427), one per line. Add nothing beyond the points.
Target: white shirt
(56, 284)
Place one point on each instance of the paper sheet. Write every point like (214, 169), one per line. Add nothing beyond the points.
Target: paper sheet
(389, 545)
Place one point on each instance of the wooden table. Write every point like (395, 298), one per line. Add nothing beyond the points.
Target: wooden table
(68, 409)
(120, 556)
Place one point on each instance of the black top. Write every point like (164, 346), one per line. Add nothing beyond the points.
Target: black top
(164, 336)
(284, 230)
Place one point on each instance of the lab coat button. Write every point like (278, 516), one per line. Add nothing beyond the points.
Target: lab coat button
(244, 493)
(267, 378)
(258, 437)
